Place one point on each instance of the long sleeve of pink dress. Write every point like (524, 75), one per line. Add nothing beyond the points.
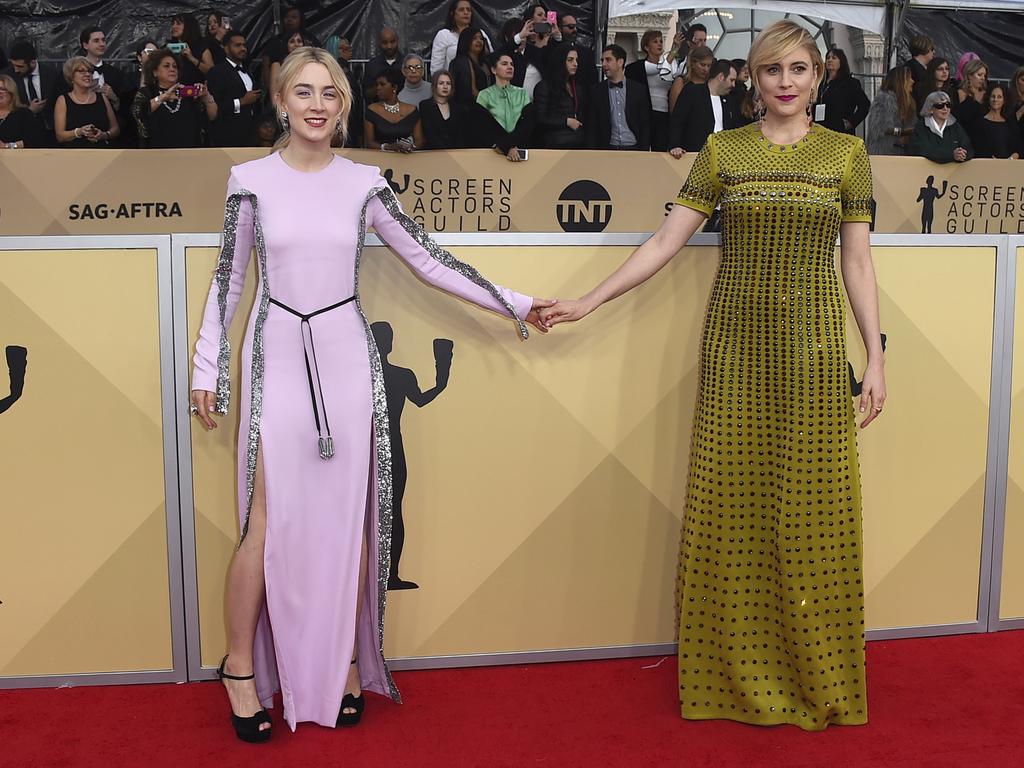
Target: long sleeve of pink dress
(313, 412)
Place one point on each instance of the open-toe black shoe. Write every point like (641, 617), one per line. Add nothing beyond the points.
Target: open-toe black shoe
(358, 703)
(247, 728)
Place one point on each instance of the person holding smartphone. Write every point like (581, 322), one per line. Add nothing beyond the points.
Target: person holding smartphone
(83, 118)
(167, 114)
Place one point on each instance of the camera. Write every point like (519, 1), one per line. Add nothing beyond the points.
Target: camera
(175, 47)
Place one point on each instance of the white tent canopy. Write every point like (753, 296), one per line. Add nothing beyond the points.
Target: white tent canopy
(862, 14)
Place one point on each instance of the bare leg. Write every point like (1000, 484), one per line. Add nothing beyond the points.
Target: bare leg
(353, 684)
(246, 591)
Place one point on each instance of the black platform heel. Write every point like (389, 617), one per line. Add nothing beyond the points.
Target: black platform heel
(358, 703)
(247, 728)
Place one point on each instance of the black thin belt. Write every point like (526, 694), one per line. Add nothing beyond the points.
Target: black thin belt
(325, 442)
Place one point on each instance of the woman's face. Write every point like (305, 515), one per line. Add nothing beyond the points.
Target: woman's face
(701, 69)
(1019, 83)
(505, 69)
(786, 85)
(940, 111)
(942, 73)
(539, 14)
(212, 25)
(166, 73)
(832, 64)
(996, 100)
(313, 105)
(177, 29)
(295, 41)
(744, 74)
(463, 14)
(572, 63)
(413, 71)
(979, 78)
(385, 90)
(655, 47)
(81, 77)
(5, 96)
(477, 44)
(443, 87)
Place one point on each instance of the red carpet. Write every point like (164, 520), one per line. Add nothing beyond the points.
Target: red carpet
(933, 703)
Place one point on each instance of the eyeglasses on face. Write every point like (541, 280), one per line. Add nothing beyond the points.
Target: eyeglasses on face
(414, 67)
(569, 26)
(943, 105)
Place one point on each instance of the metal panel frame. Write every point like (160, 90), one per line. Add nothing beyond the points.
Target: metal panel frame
(165, 308)
(1004, 354)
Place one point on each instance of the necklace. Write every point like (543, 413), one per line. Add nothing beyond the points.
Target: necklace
(173, 110)
(393, 109)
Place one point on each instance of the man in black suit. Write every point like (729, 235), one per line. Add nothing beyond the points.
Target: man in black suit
(237, 103)
(617, 117)
(388, 58)
(38, 86)
(701, 110)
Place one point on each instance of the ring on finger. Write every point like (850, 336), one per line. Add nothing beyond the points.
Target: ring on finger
(878, 409)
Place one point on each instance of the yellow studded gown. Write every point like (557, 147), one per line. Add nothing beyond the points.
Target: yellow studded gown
(770, 593)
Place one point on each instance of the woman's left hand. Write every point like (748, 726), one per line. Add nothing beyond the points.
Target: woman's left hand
(872, 394)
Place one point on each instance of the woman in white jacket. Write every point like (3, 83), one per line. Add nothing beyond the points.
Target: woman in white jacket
(446, 41)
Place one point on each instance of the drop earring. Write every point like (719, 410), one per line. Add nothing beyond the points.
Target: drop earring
(284, 121)
(759, 109)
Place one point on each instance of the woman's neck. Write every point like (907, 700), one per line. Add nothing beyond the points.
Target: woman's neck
(442, 100)
(165, 86)
(785, 130)
(995, 114)
(307, 156)
(81, 93)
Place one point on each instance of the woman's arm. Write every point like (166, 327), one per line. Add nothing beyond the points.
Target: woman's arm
(60, 121)
(210, 363)
(675, 231)
(418, 141)
(861, 104)
(369, 135)
(436, 266)
(206, 61)
(862, 290)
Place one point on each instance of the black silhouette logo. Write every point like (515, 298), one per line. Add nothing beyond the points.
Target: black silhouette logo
(389, 177)
(17, 363)
(856, 387)
(927, 196)
(400, 385)
(584, 206)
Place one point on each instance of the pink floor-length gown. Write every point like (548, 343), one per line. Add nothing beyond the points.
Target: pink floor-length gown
(308, 230)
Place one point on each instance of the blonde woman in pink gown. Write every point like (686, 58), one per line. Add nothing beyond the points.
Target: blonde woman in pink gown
(306, 589)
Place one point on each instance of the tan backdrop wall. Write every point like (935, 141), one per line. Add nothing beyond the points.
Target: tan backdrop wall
(1012, 596)
(83, 550)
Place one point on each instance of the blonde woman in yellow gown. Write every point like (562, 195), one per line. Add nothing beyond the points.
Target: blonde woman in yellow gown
(770, 587)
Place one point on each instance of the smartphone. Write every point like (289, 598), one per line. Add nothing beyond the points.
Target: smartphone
(175, 47)
(524, 154)
(189, 91)
(553, 18)
(541, 28)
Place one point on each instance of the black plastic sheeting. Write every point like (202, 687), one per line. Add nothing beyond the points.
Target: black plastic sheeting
(54, 26)
(998, 38)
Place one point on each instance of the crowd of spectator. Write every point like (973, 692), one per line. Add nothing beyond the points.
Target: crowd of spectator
(539, 87)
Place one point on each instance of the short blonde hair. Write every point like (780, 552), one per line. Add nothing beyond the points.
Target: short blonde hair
(290, 69)
(12, 91)
(74, 63)
(776, 42)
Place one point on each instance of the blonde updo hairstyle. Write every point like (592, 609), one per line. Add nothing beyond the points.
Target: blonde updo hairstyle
(775, 43)
(289, 74)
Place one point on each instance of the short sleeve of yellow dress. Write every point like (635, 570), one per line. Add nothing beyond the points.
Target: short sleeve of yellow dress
(702, 188)
(856, 191)
(770, 592)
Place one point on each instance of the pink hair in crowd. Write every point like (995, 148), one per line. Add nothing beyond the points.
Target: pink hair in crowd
(968, 56)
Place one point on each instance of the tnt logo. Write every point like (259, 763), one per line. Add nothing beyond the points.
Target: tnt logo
(584, 206)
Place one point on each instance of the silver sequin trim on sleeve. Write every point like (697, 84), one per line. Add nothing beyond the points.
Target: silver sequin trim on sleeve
(225, 264)
(417, 233)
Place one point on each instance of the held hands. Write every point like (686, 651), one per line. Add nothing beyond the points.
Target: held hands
(872, 395)
(201, 406)
(960, 154)
(563, 311)
(534, 317)
(677, 152)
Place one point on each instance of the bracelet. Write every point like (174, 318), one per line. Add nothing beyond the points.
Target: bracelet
(77, 135)
(383, 148)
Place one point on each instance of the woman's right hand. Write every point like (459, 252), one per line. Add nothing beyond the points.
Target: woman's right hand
(959, 154)
(563, 312)
(204, 401)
